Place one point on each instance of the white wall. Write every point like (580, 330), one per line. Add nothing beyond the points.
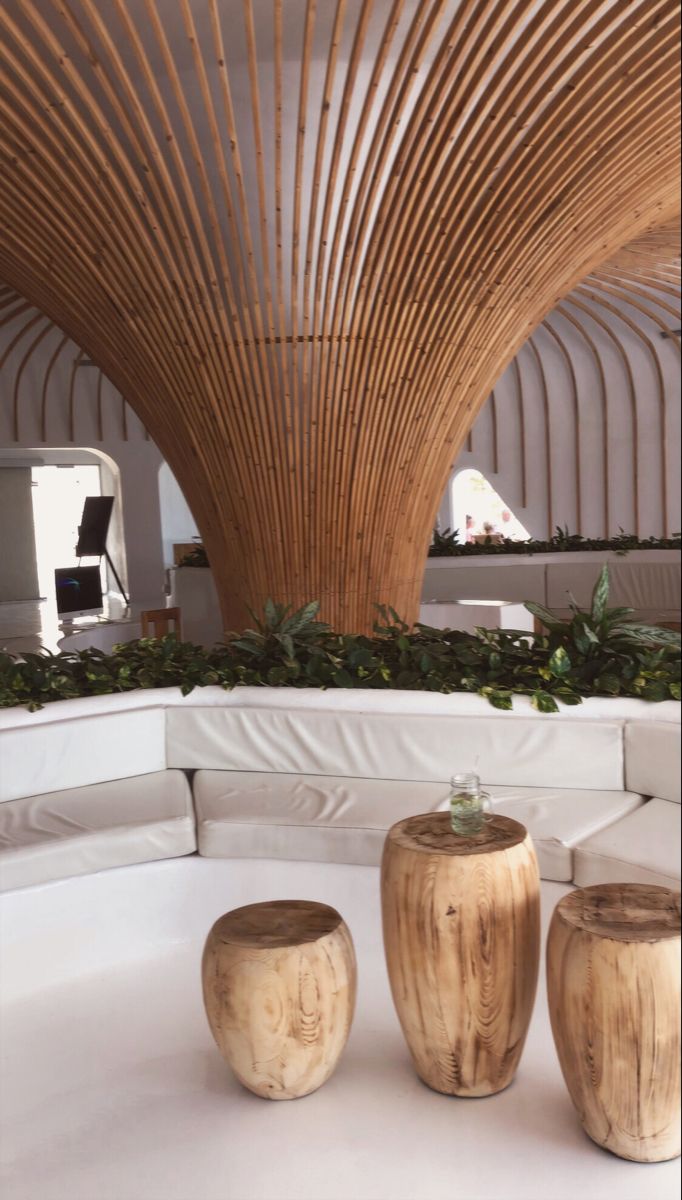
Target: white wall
(18, 567)
(64, 414)
(177, 522)
(566, 415)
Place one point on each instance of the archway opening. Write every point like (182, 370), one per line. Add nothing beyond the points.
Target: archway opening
(480, 512)
(58, 493)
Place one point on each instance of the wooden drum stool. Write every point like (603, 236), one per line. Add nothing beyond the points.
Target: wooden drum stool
(462, 940)
(614, 995)
(279, 989)
(613, 979)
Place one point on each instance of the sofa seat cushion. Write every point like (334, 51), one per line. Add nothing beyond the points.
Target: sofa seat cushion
(87, 829)
(558, 818)
(643, 847)
(334, 819)
(319, 818)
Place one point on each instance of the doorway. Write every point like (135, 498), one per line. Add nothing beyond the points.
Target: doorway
(480, 512)
(58, 494)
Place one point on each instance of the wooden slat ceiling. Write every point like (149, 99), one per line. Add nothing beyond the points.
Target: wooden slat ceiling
(304, 239)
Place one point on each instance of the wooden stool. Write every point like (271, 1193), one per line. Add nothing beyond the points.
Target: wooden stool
(158, 620)
(462, 940)
(279, 989)
(613, 979)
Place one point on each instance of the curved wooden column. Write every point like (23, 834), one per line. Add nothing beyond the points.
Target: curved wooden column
(304, 241)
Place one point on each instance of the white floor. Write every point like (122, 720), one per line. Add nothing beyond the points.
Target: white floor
(27, 626)
(113, 1088)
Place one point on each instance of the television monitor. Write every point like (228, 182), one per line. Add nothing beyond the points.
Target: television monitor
(94, 526)
(79, 591)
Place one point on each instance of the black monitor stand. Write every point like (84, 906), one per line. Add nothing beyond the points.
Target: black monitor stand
(115, 575)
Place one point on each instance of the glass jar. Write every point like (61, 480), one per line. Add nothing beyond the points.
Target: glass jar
(468, 804)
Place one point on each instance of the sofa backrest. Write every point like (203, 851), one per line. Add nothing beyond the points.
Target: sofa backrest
(418, 736)
(520, 751)
(51, 756)
(652, 759)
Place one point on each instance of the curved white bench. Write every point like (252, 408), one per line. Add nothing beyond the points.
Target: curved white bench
(304, 774)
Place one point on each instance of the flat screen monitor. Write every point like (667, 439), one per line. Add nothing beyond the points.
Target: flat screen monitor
(94, 526)
(79, 591)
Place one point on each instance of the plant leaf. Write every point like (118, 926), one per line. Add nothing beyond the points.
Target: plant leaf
(600, 595)
(560, 663)
(549, 620)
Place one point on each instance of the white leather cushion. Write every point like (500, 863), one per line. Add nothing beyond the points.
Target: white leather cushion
(331, 819)
(89, 829)
(475, 579)
(649, 586)
(557, 819)
(243, 814)
(65, 754)
(643, 847)
(515, 751)
(652, 759)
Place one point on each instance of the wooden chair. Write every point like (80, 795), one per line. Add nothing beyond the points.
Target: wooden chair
(157, 621)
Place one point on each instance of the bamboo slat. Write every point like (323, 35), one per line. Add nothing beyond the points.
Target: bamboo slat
(305, 241)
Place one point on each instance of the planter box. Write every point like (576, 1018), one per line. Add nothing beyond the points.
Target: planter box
(194, 593)
(647, 580)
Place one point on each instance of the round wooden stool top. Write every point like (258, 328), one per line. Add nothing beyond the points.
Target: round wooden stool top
(276, 924)
(624, 912)
(432, 833)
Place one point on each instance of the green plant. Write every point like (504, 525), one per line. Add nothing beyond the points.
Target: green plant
(285, 647)
(606, 649)
(444, 543)
(195, 558)
(447, 545)
(602, 652)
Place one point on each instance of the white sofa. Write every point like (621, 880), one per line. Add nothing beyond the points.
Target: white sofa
(648, 581)
(304, 774)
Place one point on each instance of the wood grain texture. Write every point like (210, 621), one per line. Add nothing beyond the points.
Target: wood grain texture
(279, 983)
(613, 977)
(461, 919)
(303, 241)
(157, 622)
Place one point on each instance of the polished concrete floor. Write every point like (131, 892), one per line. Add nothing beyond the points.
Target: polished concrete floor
(114, 1090)
(26, 626)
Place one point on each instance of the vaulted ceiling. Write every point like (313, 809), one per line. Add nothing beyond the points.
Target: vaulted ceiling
(304, 239)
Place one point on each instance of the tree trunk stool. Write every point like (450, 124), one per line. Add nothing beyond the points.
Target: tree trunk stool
(279, 985)
(462, 939)
(613, 978)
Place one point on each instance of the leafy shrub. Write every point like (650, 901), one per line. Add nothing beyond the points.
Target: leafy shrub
(602, 652)
(196, 557)
(446, 544)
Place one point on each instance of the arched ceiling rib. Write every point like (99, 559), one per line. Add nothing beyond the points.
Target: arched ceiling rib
(625, 316)
(47, 384)
(304, 240)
